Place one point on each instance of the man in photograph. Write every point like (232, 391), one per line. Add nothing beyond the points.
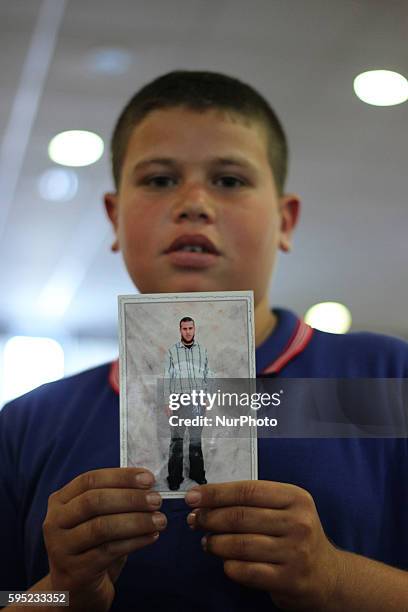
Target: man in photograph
(186, 370)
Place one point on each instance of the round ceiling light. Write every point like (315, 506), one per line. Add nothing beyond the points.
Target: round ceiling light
(381, 87)
(109, 60)
(76, 148)
(329, 317)
(58, 184)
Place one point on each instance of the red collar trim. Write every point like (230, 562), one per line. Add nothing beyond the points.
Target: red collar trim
(114, 376)
(300, 338)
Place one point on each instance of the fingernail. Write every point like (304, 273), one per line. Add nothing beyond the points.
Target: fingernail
(144, 479)
(159, 520)
(193, 498)
(154, 499)
(204, 542)
(191, 519)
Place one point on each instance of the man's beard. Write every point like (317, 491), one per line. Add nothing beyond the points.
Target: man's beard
(187, 343)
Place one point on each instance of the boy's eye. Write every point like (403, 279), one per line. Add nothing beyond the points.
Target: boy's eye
(230, 181)
(158, 181)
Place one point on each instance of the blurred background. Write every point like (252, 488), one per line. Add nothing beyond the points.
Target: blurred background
(73, 64)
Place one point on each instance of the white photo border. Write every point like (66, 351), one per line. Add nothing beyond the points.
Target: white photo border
(123, 301)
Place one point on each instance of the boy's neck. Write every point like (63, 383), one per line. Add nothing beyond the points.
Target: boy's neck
(265, 322)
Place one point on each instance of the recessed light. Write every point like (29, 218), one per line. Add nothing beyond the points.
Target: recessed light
(329, 317)
(58, 185)
(109, 60)
(76, 148)
(381, 87)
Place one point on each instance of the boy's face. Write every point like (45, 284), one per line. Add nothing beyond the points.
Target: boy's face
(206, 215)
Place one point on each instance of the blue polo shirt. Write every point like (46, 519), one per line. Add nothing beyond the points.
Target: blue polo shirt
(65, 428)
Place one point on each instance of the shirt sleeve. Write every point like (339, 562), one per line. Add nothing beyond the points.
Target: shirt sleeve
(12, 567)
(168, 380)
(206, 372)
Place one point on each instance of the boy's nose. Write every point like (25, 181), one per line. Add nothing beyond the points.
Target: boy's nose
(194, 206)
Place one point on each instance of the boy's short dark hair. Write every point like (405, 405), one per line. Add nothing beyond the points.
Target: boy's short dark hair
(201, 91)
(185, 320)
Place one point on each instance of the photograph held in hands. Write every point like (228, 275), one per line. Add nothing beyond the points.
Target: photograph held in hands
(176, 351)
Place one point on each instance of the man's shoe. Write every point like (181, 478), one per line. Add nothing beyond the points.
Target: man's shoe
(199, 481)
(173, 485)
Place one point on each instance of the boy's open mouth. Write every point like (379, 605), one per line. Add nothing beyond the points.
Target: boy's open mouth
(192, 251)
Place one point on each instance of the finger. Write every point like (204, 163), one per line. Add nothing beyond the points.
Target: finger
(98, 502)
(105, 478)
(240, 519)
(262, 576)
(245, 547)
(261, 493)
(100, 558)
(106, 529)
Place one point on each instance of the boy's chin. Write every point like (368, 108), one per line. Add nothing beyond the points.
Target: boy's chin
(188, 284)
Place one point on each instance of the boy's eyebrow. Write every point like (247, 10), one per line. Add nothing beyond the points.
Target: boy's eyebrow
(220, 161)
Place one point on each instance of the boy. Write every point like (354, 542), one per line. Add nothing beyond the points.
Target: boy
(199, 160)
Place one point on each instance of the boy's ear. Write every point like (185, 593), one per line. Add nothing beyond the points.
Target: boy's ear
(289, 213)
(111, 207)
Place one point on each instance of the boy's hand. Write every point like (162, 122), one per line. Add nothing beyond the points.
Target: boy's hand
(270, 537)
(92, 524)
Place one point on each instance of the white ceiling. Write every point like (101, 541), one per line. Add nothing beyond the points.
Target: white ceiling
(349, 160)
